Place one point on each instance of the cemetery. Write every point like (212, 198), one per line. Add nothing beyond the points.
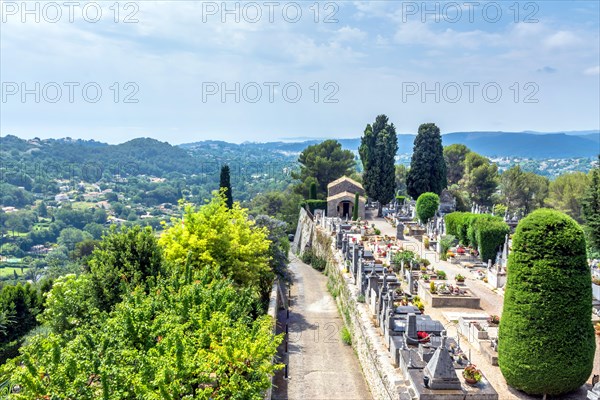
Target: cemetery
(394, 282)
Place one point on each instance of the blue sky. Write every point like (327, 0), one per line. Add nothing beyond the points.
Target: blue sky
(511, 66)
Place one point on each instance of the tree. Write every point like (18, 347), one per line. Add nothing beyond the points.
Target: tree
(124, 259)
(481, 178)
(356, 205)
(313, 191)
(281, 205)
(548, 279)
(69, 237)
(427, 206)
(591, 208)
(566, 193)
(401, 174)
(323, 163)
(522, 190)
(427, 166)
(454, 156)
(221, 238)
(42, 209)
(225, 185)
(378, 148)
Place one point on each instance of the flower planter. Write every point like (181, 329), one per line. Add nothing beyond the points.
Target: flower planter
(471, 382)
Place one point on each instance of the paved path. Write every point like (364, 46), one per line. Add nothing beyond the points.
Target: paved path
(321, 366)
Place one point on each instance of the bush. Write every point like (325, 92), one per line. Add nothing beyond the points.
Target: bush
(441, 274)
(311, 258)
(427, 206)
(432, 287)
(406, 255)
(446, 242)
(490, 235)
(546, 339)
(314, 205)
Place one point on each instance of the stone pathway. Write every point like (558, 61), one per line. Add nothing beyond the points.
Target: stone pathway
(320, 365)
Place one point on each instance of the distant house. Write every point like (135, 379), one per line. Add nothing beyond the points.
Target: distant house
(61, 197)
(340, 198)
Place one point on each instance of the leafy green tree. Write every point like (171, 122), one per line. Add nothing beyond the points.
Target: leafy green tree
(225, 185)
(591, 208)
(378, 148)
(279, 246)
(42, 209)
(401, 173)
(283, 206)
(222, 238)
(481, 178)
(566, 193)
(427, 166)
(454, 156)
(548, 279)
(323, 162)
(124, 259)
(427, 205)
(522, 190)
(356, 206)
(69, 237)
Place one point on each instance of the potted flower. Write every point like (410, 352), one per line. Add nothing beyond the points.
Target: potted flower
(460, 250)
(494, 320)
(425, 277)
(459, 278)
(471, 374)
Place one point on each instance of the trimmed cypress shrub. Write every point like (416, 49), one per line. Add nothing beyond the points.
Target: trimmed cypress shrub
(427, 205)
(546, 339)
(490, 234)
(356, 205)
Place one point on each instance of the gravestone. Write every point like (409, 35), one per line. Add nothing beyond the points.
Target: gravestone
(400, 231)
(594, 394)
(440, 370)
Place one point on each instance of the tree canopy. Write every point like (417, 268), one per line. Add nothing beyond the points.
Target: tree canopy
(427, 166)
(323, 163)
(378, 148)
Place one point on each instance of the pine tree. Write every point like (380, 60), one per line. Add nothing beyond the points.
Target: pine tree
(378, 148)
(591, 208)
(225, 185)
(427, 167)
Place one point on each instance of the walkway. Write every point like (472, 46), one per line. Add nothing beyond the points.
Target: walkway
(321, 366)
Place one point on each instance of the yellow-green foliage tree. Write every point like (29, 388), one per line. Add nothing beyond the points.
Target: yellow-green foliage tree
(222, 238)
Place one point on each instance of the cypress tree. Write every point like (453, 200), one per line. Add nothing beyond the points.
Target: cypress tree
(356, 204)
(427, 167)
(313, 191)
(225, 185)
(378, 148)
(546, 340)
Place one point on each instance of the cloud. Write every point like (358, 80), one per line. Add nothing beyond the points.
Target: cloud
(562, 40)
(547, 70)
(348, 34)
(593, 71)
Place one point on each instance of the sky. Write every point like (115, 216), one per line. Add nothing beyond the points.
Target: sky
(185, 71)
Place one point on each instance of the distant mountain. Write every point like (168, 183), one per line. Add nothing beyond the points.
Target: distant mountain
(491, 144)
(505, 144)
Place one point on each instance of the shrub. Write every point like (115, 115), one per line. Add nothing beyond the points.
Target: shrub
(311, 258)
(446, 242)
(406, 255)
(548, 281)
(314, 205)
(432, 287)
(490, 235)
(426, 242)
(377, 231)
(459, 278)
(427, 205)
(440, 274)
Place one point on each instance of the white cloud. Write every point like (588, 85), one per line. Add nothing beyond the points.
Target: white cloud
(592, 71)
(562, 40)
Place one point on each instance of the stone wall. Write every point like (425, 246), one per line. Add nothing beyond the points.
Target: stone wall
(304, 232)
(275, 302)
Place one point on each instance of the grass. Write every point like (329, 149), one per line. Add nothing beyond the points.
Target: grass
(346, 337)
(9, 271)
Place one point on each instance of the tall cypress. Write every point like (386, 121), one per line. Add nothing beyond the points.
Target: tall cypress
(378, 148)
(225, 185)
(356, 205)
(427, 167)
